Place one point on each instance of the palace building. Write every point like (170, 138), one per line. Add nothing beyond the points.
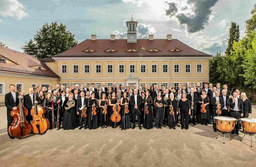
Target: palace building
(123, 61)
(131, 61)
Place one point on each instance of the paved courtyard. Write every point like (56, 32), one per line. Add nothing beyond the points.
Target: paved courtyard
(113, 147)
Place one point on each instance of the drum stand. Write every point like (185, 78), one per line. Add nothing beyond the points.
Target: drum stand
(251, 134)
(224, 136)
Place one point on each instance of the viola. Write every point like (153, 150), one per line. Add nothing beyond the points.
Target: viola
(105, 109)
(19, 126)
(126, 109)
(84, 114)
(171, 110)
(94, 110)
(39, 123)
(146, 109)
(203, 110)
(218, 109)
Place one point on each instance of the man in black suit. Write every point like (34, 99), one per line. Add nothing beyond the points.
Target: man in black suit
(195, 98)
(135, 103)
(104, 89)
(237, 110)
(29, 101)
(63, 101)
(217, 100)
(81, 104)
(224, 104)
(11, 102)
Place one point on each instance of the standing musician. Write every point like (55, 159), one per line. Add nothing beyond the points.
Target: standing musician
(159, 102)
(216, 102)
(218, 88)
(29, 102)
(172, 117)
(103, 102)
(87, 98)
(48, 107)
(125, 116)
(204, 101)
(11, 102)
(40, 98)
(237, 110)
(92, 117)
(143, 96)
(69, 117)
(225, 87)
(184, 110)
(56, 100)
(224, 105)
(63, 101)
(148, 122)
(247, 105)
(81, 104)
(135, 102)
(193, 98)
(166, 106)
(113, 100)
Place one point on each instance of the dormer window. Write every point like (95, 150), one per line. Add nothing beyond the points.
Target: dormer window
(153, 50)
(110, 50)
(174, 50)
(39, 68)
(131, 50)
(2, 60)
(89, 50)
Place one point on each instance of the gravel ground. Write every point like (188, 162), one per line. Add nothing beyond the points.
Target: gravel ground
(113, 147)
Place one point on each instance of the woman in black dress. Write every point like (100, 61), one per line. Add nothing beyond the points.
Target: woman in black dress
(40, 98)
(143, 98)
(204, 100)
(92, 119)
(48, 108)
(247, 105)
(103, 117)
(148, 117)
(112, 102)
(184, 109)
(159, 110)
(172, 118)
(69, 116)
(125, 116)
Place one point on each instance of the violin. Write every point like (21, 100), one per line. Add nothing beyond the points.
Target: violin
(171, 110)
(94, 109)
(116, 117)
(146, 109)
(105, 109)
(39, 123)
(126, 109)
(218, 109)
(20, 126)
(84, 114)
(203, 110)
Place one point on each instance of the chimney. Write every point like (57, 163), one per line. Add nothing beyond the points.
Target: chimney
(112, 37)
(169, 37)
(150, 37)
(93, 37)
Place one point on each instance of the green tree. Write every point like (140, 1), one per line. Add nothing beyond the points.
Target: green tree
(216, 64)
(251, 23)
(50, 40)
(233, 36)
(3, 45)
(249, 64)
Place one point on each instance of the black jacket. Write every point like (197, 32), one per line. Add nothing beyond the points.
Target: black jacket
(139, 102)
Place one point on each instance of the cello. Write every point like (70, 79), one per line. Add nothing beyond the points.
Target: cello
(20, 126)
(39, 123)
(116, 117)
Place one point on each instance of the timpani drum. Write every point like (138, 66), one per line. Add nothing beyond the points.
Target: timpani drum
(225, 124)
(249, 125)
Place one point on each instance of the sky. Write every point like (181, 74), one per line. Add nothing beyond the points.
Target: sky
(201, 24)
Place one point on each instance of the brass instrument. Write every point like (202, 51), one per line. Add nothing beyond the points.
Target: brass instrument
(70, 104)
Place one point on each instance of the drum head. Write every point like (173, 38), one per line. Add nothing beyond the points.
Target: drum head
(251, 120)
(222, 118)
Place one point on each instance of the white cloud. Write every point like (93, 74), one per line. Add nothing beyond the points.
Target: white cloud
(223, 23)
(137, 2)
(12, 8)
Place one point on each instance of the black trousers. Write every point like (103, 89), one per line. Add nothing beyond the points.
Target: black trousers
(184, 120)
(236, 115)
(225, 113)
(135, 113)
(194, 115)
(159, 117)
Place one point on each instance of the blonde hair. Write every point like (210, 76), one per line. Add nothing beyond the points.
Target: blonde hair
(244, 94)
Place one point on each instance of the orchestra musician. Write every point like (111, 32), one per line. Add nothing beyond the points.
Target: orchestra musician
(185, 111)
(125, 116)
(63, 101)
(81, 104)
(224, 105)
(135, 102)
(216, 101)
(11, 102)
(92, 119)
(113, 100)
(159, 102)
(193, 98)
(69, 117)
(48, 107)
(166, 106)
(148, 122)
(247, 105)
(237, 110)
(103, 102)
(204, 101)
(40, 98)
(29, 102)
(172, 119)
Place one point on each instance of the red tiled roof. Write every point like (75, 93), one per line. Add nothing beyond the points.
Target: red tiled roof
(142, 45)
(23, 64)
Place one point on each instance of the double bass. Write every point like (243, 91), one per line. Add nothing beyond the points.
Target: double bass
(116, 117)
(20, 126)
(39, 123)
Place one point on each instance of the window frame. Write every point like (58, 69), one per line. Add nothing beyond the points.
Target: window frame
(130, 68)
(62, 68)
(3, 90)
(112, 68)
(73, 69)
(145, 68)
(201, 68)
(96, 68)
(89, 68)
(167, 68)
(119, 68)
(190, 69)
(174, 68)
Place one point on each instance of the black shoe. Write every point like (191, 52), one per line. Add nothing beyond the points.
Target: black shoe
(80, 128)
(133, 127)
(174, 128)
(140, 127)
